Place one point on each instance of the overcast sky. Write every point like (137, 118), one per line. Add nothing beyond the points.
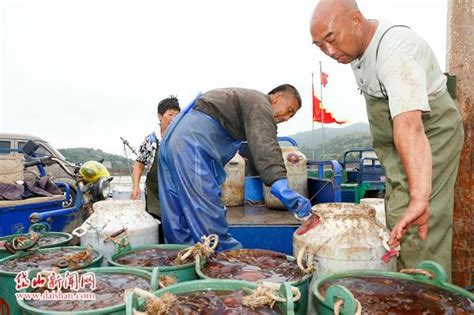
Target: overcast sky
(84, 73)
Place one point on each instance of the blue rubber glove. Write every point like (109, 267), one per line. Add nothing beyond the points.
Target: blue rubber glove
(293, 201)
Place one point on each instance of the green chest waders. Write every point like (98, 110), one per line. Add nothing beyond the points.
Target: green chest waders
(444, 129)
(151, 184)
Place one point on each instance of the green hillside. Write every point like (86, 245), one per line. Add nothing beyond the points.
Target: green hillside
(307, 138)
(338, 140)
(116, 164)
(334, 149)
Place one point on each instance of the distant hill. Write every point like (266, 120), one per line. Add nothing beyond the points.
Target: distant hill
(117, 165)
(334, 149)
(305, 138)
(338, 140)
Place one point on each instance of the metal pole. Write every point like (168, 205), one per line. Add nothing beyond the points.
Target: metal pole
(460, 61)
(322, 114)
(125, 153)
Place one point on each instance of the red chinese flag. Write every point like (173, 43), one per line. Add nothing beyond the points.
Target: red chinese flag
(321, 115)
(324, 79)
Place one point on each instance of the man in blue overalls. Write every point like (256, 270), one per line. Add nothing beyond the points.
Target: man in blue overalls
(202, 139)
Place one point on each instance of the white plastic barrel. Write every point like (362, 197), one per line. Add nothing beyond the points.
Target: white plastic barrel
(111, 216)
(342, 237)
(233, 187)
(296, 168)
(379, 205)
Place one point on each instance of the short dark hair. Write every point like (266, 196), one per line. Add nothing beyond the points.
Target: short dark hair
(167, 104)
(287, 88)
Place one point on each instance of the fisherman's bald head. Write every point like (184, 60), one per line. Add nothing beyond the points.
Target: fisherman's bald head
(338, 28)
(330, 8)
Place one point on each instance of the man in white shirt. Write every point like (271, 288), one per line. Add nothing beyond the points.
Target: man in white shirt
(416, 127)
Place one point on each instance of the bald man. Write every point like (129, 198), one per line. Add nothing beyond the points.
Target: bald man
(416, 127)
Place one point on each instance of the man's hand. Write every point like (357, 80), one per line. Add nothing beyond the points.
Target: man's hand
(417, 213)
(292, 200)
(414, 149)
(136, 193)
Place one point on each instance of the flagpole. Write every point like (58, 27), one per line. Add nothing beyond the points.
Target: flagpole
(321, 108)
(312, 119)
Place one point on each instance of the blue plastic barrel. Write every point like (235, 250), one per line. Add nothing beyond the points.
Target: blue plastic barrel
(253, 189)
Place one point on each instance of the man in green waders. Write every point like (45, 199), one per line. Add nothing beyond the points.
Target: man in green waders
(416, 127)
(146, 159)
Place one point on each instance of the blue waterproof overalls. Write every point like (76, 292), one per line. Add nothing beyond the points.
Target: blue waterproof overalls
(192, 157)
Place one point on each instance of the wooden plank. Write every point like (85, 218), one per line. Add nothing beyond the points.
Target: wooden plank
(460, 60)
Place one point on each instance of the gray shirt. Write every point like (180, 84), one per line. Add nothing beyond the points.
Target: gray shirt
(247, 115)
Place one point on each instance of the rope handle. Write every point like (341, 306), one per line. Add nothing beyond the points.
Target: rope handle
(414, 271)
(155, 305)
(275, 287)
(204, 248)
(340, 303)
(309, 260)
(267, 294)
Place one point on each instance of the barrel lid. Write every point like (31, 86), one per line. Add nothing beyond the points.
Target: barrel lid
(118, 205)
